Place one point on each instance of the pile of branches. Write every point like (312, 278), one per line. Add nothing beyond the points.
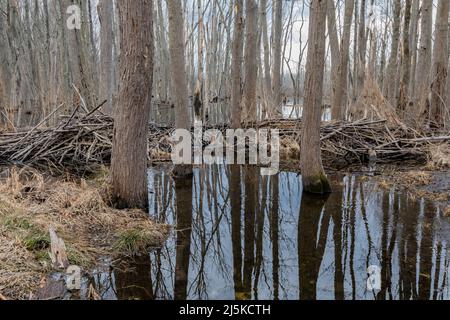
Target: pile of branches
(81, 142)
(365, 140)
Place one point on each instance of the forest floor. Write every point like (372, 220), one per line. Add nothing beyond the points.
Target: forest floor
(31, 203)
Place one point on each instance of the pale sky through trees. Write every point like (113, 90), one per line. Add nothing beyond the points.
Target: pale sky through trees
(297, 26)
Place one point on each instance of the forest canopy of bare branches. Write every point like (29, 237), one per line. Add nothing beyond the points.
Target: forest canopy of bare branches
(396, 50)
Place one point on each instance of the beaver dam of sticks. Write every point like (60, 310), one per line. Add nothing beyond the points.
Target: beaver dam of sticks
(82, 142)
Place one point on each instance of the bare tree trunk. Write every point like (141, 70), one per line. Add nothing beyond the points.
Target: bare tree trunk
(129, 154)
(381, 75)
(250, 62)
(334, 46)
(178, 73)
(276, 71)
(267, 79)
(314, 178)
(372, 32)
(447, 116)
(392, 67)
(414, 38)
(198, 94)
(424, 61)
(93, 52)
(438, 88)
(354, 72)
(406, 59)
(78, 76)
(236, 68)
(338, 108)
(5, 75)
(362, 45)
(105, 13)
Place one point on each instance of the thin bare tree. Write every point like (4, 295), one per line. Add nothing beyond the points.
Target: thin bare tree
(422, 81)
(236, 67)
(249, 103)
(406, 59)
(340, 95)
(178, 73)
(438, 112)
(105, 10)
(277, 58)
(392, 66)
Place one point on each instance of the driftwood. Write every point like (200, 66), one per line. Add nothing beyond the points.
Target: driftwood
(82, 141)
(58, 253)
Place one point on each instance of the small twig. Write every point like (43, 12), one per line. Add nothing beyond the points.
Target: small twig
(95, 109)
(83, 104)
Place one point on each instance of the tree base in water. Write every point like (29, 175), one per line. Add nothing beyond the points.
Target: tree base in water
(122, 204)
(316, 184)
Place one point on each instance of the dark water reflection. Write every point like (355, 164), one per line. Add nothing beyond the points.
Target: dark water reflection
(243, 236)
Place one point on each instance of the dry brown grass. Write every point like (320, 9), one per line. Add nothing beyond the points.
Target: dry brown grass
(76, 209)
(439, 157)
(417, 183)
(19, 270)
(289, 148)
(447, 212)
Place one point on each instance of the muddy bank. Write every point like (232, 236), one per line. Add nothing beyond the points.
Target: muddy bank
(77, 210)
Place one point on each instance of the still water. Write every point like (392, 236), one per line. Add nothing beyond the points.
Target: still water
(242, 236)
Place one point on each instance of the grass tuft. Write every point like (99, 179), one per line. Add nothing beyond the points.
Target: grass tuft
(76, 209)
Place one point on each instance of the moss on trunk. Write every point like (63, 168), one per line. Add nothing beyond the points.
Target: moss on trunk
(317, 184)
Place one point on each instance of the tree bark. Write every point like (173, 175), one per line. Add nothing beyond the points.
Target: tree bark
(75, 52)
(250, 62)
(178, 74)
(334, 46)
(267, 79)
(414, 38)
(338, 108)
(276, 71)
(105, 13)
(362, 45)
(440, 70)
(198, 94)
(129, 154)
(406, 59)
(314, 178)
(392, 67)
(424, 61)
(236, 68)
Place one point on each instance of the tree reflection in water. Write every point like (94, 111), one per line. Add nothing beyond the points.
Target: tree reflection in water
(243, 236)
